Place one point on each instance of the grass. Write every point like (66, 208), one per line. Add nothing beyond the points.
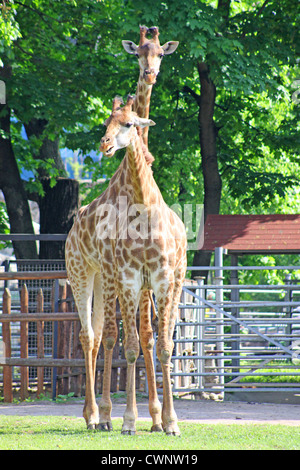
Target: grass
(70, 433)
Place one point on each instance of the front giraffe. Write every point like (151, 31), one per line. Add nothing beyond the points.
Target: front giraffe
(152, 257)
(89, 275)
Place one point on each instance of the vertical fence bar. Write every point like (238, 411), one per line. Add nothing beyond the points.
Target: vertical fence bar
(55, 337)
(6, 336)
(218, 280)
(40, 342)
(68, 342)
(77, 379)
(61, 337)
(288, 310)
(200, 314)
(235, 311)
(220, 331)
(24, 345)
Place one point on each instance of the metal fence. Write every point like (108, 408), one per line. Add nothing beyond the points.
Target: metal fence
(233, 337)
(229, 337)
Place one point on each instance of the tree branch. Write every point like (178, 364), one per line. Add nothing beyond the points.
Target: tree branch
(262, 7)
(187, 89)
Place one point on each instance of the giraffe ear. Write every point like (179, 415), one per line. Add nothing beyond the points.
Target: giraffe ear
(170, 47)
(143, 122)
(130, 47)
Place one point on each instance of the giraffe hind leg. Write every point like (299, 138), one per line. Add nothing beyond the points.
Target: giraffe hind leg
(107, 307)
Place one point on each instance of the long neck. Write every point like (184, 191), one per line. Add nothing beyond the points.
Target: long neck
(139, 175)
(142, 104)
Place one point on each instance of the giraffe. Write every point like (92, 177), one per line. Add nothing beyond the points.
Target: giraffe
(150, 54)
(152, 257)
(89, 261)
(85, 276)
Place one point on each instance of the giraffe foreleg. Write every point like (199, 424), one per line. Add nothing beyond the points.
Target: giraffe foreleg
(128, 297)
(147, 343)
(90, 410)
(105, 328)
(110, 333)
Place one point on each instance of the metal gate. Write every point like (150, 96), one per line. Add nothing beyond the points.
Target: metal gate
(233, 337)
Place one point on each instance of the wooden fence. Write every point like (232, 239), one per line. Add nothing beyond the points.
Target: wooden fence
(67, 360)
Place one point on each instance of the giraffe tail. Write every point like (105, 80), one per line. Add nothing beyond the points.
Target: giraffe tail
(155, 317)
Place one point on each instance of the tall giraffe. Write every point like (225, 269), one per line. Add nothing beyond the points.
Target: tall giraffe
(150, 54)
(86, 276)
(151, 257)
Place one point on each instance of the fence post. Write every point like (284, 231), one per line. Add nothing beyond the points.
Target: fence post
(200, 312)
(218, 280)
(55, 298)
(7, 370)
(24, 344)
(40, 342)
(288, 310)
(235, 312)
(61, 337)
(68, 342)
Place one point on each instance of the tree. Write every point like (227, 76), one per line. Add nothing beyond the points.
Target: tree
(50, 91)
(10, 181)
(226, 125)
(232, 59)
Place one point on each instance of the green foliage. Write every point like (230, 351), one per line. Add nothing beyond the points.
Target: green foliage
(68, 63)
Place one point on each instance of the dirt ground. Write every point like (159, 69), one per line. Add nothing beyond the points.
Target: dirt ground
(202, 411)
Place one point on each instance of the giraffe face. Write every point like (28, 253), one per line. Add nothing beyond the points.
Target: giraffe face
(149, 53)
(121, 127)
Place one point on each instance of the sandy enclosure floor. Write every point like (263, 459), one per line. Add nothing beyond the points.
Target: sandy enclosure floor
(202, 411)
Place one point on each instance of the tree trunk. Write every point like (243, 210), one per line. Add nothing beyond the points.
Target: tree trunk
(13, 190)
(59, 205)
(208, 136)
(49, 148)
(57, 212)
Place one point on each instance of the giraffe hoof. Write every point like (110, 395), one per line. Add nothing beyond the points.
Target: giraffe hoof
(156, 428)
(105, 426)
(173, 433)
(91, 427)
(127, 432)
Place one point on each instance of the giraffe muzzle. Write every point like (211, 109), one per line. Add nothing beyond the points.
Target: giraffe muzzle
(108, 152)
(150, 76)
(106, 146)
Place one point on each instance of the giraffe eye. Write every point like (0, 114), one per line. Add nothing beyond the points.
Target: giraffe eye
(129, 124)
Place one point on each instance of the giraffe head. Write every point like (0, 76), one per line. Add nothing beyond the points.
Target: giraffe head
(121, 126)
(149, 53)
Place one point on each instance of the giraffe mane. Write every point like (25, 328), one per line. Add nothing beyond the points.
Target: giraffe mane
(147, 154)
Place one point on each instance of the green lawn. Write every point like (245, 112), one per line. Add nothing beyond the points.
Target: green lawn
(65, 433)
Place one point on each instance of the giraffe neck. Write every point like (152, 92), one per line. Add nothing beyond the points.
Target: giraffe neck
(139, 175)
(142, 104)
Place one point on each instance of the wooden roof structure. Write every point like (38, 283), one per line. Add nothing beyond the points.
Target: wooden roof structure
(253, 234)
